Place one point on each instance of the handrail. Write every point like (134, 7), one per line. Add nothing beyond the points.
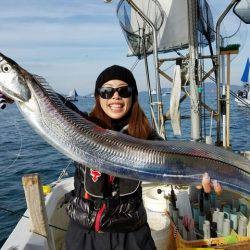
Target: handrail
(218, 44)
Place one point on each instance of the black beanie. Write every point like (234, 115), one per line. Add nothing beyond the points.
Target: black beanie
(116, 72)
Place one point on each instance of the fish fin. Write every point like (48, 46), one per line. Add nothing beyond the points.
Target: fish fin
(55, 98)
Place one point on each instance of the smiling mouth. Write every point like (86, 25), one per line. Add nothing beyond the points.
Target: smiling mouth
(116, 107)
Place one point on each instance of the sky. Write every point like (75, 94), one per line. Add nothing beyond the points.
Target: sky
(69, 42)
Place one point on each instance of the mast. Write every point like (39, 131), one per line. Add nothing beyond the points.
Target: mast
(193, 63)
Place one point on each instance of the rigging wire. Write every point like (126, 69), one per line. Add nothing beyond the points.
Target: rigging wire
(134, 65)
(230, 36)
(242, 47)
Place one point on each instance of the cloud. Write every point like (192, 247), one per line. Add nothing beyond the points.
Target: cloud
(53, 8)
(70, 42)
(44, 34)
(66, 41)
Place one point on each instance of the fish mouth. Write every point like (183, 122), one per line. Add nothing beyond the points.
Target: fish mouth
(12, 95)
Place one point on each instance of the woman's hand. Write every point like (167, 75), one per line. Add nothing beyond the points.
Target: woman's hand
(208, 185)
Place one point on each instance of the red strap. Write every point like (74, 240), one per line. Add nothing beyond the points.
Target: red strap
(98, 217)
(86, 195)
(111, 178)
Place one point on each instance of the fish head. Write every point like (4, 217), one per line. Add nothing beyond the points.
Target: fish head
(13, 80)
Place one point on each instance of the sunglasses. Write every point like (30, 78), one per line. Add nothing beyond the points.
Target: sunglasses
(108, 92)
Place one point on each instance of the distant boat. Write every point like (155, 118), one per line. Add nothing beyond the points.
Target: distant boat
(72, 96)
(91, 95)
(166, 93)
(243, 96)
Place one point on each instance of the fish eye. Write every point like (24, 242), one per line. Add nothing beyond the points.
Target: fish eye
(6, 68)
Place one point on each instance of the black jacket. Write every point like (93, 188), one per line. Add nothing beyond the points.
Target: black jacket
(105, 203)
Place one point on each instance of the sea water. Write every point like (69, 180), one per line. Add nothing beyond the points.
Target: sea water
(22, 151)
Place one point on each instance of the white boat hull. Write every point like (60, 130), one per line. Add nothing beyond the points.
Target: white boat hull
(244, 103)
(22, 238)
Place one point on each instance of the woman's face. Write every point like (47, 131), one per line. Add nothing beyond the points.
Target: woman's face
(116, 107)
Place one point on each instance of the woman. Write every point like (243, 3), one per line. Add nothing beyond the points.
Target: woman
(107, 212)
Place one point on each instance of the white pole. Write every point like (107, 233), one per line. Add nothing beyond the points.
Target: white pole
(193, 58)
(223, 78)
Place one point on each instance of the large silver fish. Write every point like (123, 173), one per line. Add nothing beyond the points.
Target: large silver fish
(173, 162)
